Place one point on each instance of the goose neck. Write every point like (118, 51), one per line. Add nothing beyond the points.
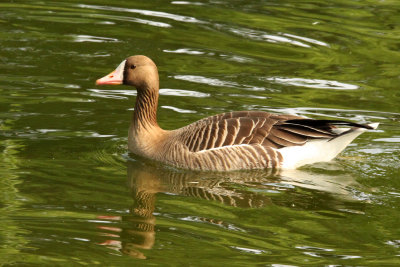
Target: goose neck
(145, 114)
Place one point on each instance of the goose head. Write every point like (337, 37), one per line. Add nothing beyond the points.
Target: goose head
(138, 71)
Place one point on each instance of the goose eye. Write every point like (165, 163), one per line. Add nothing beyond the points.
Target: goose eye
(133, 67)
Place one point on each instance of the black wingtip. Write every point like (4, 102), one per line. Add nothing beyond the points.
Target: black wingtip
(328, 123)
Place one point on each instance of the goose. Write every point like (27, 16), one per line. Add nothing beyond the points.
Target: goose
(229, 141)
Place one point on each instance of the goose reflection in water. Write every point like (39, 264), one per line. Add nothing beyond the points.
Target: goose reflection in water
(242, 189)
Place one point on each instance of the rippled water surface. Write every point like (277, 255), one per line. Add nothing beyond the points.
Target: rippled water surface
(71, 194)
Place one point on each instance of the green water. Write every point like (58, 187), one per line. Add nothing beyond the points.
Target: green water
(70, 193)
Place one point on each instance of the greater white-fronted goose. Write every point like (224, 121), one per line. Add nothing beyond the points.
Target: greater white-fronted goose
(229, 141)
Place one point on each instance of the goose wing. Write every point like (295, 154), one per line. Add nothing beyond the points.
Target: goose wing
(256, 128)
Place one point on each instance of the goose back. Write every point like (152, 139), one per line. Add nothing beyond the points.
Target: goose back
(242, 140)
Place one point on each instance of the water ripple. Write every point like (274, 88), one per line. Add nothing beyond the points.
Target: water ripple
(130, 19)
(113, 94)
(179, 110)
(180, 92)
(89, 38)
(313, 41)
(279, 37)
(189, 51)
(216, 82)
(150, 22)
(250, 250)
(249, 96)
(184, 51)
(52, 134)
(313, 83)
(186, 3)
(389, 140)
(144, 12)
(205, 80)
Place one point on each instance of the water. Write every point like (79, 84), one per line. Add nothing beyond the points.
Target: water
(71, 194)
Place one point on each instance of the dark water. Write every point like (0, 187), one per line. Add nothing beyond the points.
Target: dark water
(71, 194)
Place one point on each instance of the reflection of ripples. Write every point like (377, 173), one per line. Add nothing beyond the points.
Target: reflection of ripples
(179, 110)
(390, 140)
(144, 12)
(216, 82)
(205, 80)
(94, 39)
(180, 92)
(52, 134)
(313, 83)
(229, 57)
(186, 3)
(184, 51)
(114, 94)
(273, 38)
(130, 19)
(107, 156)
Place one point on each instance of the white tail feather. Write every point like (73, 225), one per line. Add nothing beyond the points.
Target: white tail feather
(374, 125)
(319, 150)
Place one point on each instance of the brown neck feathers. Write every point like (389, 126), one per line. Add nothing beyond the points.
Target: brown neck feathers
(145, 114)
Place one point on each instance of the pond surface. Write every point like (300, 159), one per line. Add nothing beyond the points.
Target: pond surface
(71, 194)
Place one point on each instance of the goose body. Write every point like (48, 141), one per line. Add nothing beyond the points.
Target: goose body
(228, 141)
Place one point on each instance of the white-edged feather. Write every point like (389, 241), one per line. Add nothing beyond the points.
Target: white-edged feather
(222, 147)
